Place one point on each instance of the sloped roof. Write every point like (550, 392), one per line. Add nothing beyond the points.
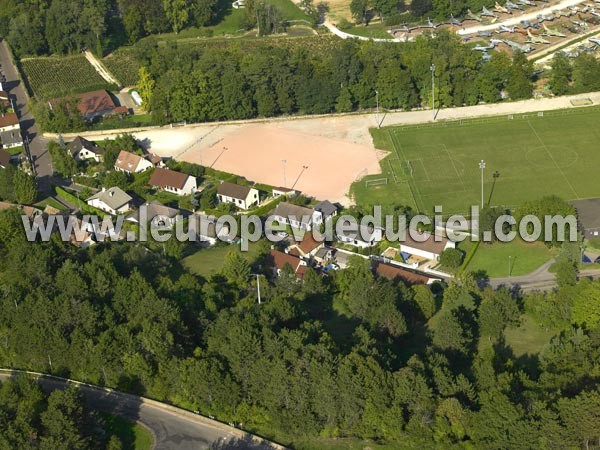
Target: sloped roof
(309, 243)
(95, 102)
(10, 137)
(279, 259)
(113, 197)
(429, 245)
(168, 178)
(399, 274)
(4, 158)
(233, 190)
(79, 143)
(127, 161)
(325, 207)
(288, 210)
(8, 120)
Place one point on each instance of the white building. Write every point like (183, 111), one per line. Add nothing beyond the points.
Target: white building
(156, 214)
(81, 150)
(244, 197)
(323, 211)
(425, 245)
(113, 201)
(175, 182)
(362, 236)
(293, 215)
(131, 163)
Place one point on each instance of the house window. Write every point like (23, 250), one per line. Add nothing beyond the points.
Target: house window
(595, 233)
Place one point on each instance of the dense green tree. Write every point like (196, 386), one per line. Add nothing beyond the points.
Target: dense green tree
(562, 72)
(451, 258)
(25, 187)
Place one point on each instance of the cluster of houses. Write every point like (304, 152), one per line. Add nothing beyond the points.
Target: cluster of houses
(10, 130)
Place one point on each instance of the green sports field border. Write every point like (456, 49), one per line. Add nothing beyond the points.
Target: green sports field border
(412, 187)
(497, 118)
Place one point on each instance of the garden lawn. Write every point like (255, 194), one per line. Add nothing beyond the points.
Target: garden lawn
(524, 258)
(209, 261)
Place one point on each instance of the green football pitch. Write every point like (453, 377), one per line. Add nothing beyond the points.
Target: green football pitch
(527, 156)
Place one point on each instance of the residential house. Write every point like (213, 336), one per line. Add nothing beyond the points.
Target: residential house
(396, 274)
(209, 231)
(244, 197)
(113, 200)
(323, 211)
(288, 192)
(156, 214)
(10, 131)
(94, 104)
(156, 160)
(323, 255)
(293, 215)
(82, 150)
(131, 163)
(308, 247)
(362, 236)
(588, 217)
(5, 158)
(174, 182)
(5, 100)
(426, 245)
(277, 261)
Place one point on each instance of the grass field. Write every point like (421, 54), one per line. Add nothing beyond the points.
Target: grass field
(493, 258)
(209, 261)
(528, 338)
(59, 76)
(534, 155)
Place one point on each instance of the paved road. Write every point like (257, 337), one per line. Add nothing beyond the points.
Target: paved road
(538, 280)
(171, 431)
(37, 144)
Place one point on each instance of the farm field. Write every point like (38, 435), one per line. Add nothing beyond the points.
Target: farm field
(533, 155)
(53, 77)
(123, 65)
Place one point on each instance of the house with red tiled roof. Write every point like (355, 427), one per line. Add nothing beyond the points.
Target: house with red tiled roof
(94, 104)
(397, 274)
(131, 163)
(174, 182)
(278, 260)
(308, 246)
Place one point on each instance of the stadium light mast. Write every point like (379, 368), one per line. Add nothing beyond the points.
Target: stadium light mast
(258, 287)
(283, 161)
(432, 68)
(482, 167)
(377, 108)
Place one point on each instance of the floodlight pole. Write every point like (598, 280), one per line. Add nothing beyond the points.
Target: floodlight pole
(432, 68)
(283, 162)
(377, 102)
(258, 287)
(482, 167)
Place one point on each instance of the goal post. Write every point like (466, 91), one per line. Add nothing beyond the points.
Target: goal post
(376, 182)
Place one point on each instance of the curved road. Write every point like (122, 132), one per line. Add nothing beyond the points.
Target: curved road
(172, 430)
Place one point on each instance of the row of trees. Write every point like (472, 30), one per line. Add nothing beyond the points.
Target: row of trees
(237, 81)
(574, 76)
(66, 26)
(409, 366)
(60, 420)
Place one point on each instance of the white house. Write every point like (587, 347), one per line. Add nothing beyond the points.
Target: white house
(244, 197)
(171, 181)
(362, 236)
(156, 214)
(323, 211)
(210, 232)
(113, 200)
(10, 131)
(425, 245)
(293, 215)
(81, 150)
(131, 163)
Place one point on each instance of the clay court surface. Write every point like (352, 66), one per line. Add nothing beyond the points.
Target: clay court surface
(256, 152)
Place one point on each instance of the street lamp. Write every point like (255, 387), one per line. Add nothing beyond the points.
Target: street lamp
(298, 179)
(283, 162)
(377, 102)
(432, 68)
(258, 287)
(482, 167)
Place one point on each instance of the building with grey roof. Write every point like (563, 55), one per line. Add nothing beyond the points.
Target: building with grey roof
(293, 215)
(113, 200)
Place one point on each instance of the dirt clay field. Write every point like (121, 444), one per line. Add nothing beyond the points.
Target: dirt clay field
(319, 166)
